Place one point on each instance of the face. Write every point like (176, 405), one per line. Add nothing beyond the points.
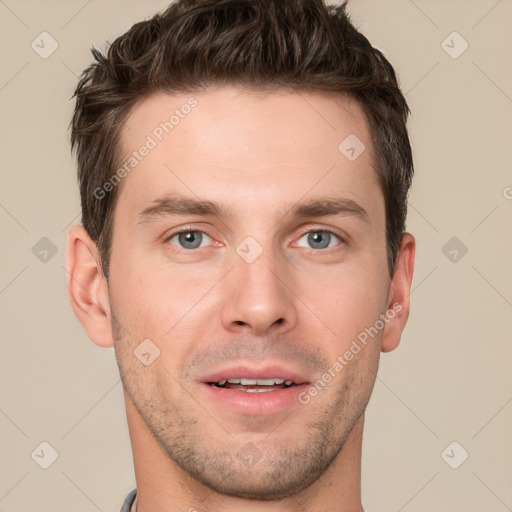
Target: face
(246, 245)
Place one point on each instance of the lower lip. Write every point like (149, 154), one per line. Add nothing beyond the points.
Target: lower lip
(267, 402)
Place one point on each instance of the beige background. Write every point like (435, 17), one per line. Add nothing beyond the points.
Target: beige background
(449, 380)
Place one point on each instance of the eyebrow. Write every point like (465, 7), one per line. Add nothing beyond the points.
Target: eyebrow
(181, 205)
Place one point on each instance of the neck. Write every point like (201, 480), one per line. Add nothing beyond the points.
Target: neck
(162, 486)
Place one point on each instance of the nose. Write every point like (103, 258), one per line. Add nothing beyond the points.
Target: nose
(258, 296)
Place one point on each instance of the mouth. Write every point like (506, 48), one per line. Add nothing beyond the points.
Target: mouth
(253, 391)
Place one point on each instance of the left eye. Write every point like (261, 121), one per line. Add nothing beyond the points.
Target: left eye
(189, 239)
(320, 239)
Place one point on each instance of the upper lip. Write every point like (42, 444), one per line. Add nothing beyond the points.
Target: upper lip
(253, 372)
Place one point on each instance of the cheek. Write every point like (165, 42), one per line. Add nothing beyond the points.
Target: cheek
(163, 302)
(345, 300)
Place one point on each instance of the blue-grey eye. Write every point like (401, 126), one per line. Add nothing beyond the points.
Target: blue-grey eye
(189, 239)
(320, 239)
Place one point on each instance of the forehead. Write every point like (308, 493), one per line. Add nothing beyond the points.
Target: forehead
(237, 145)
(229, 114)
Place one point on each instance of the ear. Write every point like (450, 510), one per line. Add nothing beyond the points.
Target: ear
(399, 293)
(88, 287)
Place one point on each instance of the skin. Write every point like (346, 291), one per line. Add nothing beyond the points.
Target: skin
(298, 303)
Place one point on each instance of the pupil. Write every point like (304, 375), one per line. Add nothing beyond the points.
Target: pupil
(316, 237)
(187, 239)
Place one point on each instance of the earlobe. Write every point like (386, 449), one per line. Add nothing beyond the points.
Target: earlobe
(399, 294)
(87, 287)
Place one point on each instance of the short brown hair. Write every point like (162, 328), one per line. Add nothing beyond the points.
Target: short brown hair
(303, 45)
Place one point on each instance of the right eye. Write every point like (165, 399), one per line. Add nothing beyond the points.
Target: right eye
(188, 238)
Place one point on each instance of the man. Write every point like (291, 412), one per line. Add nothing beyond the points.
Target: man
(244, 169)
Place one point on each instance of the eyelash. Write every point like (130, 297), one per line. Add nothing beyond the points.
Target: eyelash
(323, 230)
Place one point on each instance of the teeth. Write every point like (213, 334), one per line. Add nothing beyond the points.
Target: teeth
(266, 382)
(260, 382)
(248, 382)
(260, 390)
(255, 382)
